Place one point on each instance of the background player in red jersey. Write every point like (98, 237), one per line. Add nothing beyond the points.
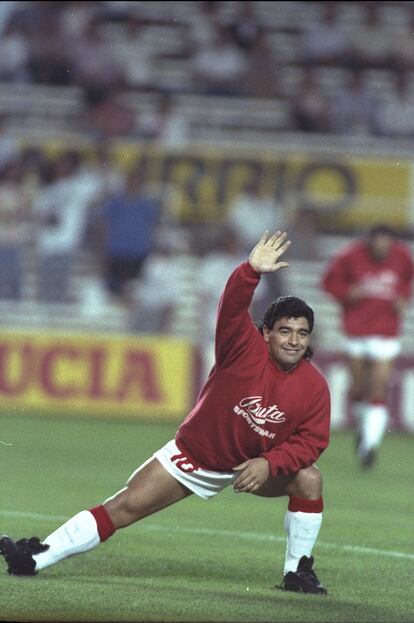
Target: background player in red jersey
(260, 423)
(371, 279)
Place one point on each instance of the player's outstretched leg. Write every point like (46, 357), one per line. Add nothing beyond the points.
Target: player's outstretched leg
(149, 489)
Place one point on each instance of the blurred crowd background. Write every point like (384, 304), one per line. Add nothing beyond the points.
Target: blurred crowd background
(89, 238)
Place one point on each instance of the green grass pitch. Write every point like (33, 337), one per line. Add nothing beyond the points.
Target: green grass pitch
(197, 560)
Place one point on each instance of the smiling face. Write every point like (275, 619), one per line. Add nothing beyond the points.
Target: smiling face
(288, 341)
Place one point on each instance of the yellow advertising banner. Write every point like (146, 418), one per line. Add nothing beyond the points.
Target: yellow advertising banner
(120, 375)
(346, 190)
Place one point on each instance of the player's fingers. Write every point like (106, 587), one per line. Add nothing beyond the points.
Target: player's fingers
(274, 237)
(242, 481)
(277, 238)
(246, 488)
(264, 236)
(281, 265)
(283, 248)
(241, 467)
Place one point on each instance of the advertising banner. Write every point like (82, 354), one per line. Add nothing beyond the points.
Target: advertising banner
(346, 191)
(122, 375)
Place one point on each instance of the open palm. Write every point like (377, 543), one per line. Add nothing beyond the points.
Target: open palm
(265, 256)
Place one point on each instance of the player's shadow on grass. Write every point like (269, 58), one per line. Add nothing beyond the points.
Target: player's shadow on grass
(268, 598)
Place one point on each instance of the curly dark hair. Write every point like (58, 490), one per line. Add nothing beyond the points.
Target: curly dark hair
(288, 307)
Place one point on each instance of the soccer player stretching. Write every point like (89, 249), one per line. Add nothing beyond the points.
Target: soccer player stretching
(259, 424)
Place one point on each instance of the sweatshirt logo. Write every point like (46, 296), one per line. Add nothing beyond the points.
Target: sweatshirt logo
(382, 285)
(252, 410)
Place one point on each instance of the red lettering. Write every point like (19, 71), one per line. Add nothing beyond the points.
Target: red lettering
(140, 373)
(98, 358)
(19, 385)
(49, 377)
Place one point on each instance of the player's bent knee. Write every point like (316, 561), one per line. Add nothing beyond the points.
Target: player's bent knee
(307, 483)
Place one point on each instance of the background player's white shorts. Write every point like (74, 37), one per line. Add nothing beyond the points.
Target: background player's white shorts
(373, 347)
(202, 482)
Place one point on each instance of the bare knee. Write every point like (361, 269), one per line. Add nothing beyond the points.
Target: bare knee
(307, 484)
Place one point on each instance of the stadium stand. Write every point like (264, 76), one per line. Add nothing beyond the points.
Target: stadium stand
(42, 110)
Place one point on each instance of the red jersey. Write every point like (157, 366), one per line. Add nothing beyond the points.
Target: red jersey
(249, 407)
(381, 282)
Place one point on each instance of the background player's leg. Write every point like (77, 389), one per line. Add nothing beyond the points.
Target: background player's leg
(150, 489)
(359, 384)
(376, 416)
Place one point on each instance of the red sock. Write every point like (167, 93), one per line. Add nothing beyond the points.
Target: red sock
(305, 506)
(105, 526)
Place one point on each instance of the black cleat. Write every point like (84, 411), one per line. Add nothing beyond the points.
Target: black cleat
(367, 459)
(19, 554)
(304, 580)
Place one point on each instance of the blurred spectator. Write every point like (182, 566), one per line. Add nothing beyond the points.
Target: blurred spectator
(303, 230)
(163, 283)
(403, 44)
(249, 215)
(352, 109)
(60, 211)
(107, 115)
(75, 18)
(7, 9)
(310, 108)
(395, 116)
(133, 53)
(253, 211)
(220, 68)
(204, 22)
(324, 41)
(101, 173)
(93, 61)
(14, 54)
(372, 39)
(49, 58)
(28, 17)
(9, 146)
(33, 160)
(165, 124)
(245, 27)
(262, 78)
(15, 230)
(128, 223)
(214, 268)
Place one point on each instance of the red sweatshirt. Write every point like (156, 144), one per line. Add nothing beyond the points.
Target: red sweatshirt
(248, 406)
(382, 282)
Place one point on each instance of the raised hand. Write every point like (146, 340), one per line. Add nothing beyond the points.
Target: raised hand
(265, 255)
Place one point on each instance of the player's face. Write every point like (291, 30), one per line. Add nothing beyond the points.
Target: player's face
(380, 246)
(288, 341)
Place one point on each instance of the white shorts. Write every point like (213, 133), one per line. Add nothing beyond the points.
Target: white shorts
(373, 347)
(202, 482)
